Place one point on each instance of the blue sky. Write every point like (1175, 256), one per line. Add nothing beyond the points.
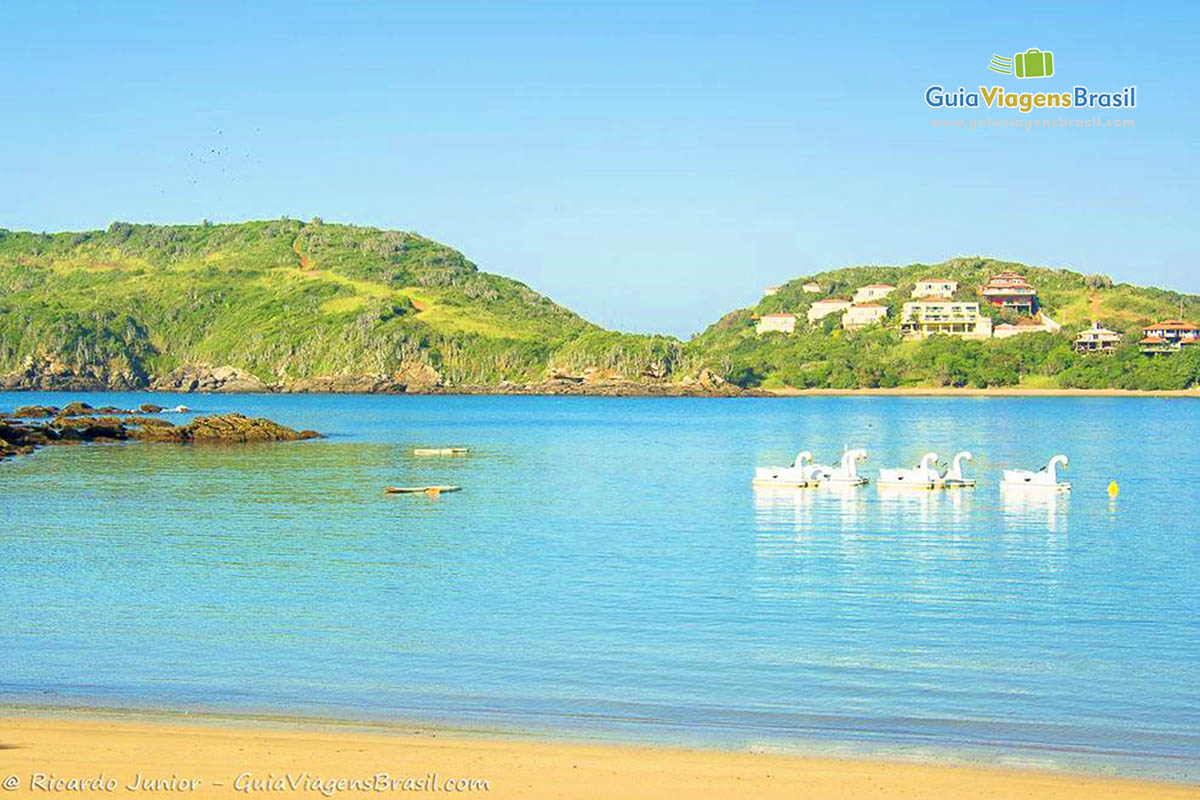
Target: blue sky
(650, 165)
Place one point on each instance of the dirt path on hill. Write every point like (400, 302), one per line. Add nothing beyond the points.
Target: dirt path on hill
(303, 258)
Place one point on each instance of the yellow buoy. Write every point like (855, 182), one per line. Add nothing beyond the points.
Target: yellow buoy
(1113, 489)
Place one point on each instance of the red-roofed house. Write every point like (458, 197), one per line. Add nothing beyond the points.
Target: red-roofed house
(1011, 290)
(1169, 336)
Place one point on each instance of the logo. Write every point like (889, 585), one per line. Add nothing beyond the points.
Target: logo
(1033, 63)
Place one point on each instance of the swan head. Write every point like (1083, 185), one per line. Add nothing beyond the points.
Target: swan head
(1060, 459)
(803, 457)
(965, 455)
(928, 460)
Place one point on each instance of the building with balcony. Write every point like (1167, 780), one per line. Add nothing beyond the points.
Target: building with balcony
(1097, 340)
(1168, 336)
(1010, 290)
(923, 318)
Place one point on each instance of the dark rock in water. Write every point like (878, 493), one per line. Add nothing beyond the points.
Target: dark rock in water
(36, 412)
(76, 409)
(74, 424)
(150, 408)
(224, 428)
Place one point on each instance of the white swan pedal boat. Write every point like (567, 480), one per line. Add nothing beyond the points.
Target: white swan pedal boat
(1044, 479)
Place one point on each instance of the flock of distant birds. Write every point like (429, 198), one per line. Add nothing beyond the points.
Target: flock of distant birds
(803, 473)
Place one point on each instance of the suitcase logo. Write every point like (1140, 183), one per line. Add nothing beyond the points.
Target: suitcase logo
(1033, 63)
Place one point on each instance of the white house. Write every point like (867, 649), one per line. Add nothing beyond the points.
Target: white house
(935, 287)
(770, 291)
(860, 315)
(1097, 340)
(923, 318)
(823, 308)
(812, 287)
(783, 323)
(872, 292)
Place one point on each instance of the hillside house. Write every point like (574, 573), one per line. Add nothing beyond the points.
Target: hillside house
(872, 292)
(770, 291)
(923, 318)
(811, 287)
(823, 308)
(1097, 340)
(1168, 336)
(935, 287)
(782, 323)
(1010, 290)
(860, 315)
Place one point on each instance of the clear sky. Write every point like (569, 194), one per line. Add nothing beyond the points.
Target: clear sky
(650, 165)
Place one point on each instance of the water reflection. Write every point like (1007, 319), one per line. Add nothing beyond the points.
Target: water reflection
(1026, 508)
(777, 505)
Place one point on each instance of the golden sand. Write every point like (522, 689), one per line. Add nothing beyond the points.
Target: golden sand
(272, 759)
(999, 391)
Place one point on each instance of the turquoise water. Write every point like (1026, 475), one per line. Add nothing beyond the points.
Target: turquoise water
(609, 571)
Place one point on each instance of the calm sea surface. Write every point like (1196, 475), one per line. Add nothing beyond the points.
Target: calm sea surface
(608, 571)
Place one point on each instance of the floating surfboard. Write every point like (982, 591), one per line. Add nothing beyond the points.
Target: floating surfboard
(441, 451)
(422, 489)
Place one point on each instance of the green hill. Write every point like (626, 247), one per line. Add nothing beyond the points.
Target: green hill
(824, 356)
(313, 306)
(283, 301)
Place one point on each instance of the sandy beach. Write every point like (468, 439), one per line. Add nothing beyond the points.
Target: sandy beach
(89, 755)
(951, 391)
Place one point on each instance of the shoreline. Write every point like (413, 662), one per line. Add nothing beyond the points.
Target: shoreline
(210, 753)
(637, 390)
(1002, 391)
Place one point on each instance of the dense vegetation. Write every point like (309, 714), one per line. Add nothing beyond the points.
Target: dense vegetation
(287, 300)
(823, 355)
(284, 300)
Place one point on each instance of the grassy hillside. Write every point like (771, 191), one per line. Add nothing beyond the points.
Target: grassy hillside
(282, 300)
(826, 356)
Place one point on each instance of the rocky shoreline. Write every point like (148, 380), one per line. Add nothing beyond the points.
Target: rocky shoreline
(412, 379)
(31, 427)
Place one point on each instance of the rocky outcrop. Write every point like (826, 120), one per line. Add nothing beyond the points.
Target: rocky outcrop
(233, 428)
(51, 375)
(206, 378)
(19, 437)
(415, 376)
(706, 384)
(344, 384)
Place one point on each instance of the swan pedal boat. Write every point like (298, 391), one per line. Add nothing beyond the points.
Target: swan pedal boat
(1045, 479)
(803, 474)
(846, 472)
(922, 476)
(926, 476)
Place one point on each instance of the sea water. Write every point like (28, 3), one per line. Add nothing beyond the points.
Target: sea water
(608, 571)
